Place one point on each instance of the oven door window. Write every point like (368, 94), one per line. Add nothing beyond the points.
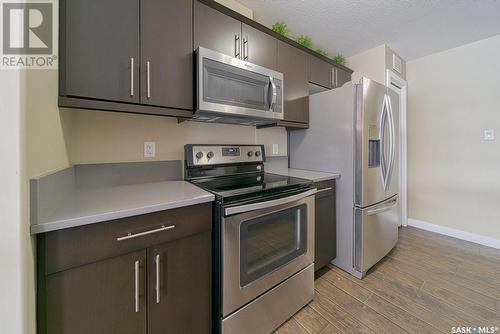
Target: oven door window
(271, 241)
(233, 86)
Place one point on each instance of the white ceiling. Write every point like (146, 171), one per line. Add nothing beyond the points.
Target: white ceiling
(413, 28)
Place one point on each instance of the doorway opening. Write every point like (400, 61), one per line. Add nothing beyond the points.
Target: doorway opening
(400, 86)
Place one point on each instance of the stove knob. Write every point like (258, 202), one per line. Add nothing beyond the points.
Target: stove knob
(210, 155)
(199, 155)
(250, 154)
(257, 153)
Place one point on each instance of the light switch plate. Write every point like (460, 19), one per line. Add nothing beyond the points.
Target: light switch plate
(489, 134)
(276, 149)
(149, 149)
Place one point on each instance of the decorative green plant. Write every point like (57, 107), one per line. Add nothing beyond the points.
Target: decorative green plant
(339, 59)
(281, 28)
(321, 52)
(305, 41)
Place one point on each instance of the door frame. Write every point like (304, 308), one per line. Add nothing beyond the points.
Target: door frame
(400, 86)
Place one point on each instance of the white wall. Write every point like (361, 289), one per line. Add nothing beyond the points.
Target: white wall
(114, 137)
(57, 137)
(373, 63)
(453, 175)
(369, 64)
(16, 280)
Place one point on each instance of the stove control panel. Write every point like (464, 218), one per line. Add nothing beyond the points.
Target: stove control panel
(204, 155)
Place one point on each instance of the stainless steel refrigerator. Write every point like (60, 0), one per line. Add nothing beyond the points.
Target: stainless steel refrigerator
(354, 131)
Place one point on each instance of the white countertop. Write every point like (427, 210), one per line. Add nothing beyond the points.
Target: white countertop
(88, 206)
(305, 174)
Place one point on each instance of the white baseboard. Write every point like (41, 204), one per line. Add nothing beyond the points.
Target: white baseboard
(451, 232)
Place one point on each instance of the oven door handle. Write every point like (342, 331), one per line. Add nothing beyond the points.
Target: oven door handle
(263, 205)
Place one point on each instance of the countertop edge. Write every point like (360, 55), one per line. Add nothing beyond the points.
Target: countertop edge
(99, 218)
(290, 172)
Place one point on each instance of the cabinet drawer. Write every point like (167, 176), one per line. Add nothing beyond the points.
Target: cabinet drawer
(73, 247)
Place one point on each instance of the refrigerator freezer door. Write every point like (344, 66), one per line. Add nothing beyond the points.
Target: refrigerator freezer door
(375, 233)
(376, 142)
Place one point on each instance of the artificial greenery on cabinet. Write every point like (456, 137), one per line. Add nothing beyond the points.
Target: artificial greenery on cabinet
(306, 41)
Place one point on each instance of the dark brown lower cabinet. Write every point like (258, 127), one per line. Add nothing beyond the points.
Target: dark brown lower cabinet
(179, 286)
(98, 298)
(91, 282)
(325, 246)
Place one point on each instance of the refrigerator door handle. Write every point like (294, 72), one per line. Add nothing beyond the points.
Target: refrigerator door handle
(383, 158)
(386, 207)
(392, 130)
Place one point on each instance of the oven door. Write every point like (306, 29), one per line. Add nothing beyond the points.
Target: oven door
(264, 244)
(229, 86)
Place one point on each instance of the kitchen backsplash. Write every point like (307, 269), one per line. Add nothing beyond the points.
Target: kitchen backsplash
(57, 137)
(98, 137)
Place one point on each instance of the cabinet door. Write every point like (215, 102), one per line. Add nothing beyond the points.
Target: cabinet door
(341, 77)
(325, 246)
(292, 62)
(99, 298)
(179, 295)
(167, 53)
(100, 49)
(320, 72)
(258, 47)
(216, 31)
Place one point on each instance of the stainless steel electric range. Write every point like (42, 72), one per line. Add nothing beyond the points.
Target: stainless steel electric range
(263, 237)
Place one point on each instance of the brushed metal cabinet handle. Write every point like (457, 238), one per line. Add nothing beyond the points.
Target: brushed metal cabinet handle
(148, 78)
(334, 77)
(141, 234)
(245, 48)
(157, 264)
(136, 291)
(131, 77)
(236, 46)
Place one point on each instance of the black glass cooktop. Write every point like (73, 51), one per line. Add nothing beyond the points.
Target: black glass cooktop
(250, 185)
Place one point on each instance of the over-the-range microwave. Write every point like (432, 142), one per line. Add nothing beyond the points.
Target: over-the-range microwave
(231, 90)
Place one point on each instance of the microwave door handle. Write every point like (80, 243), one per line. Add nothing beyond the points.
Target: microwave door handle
(273, 94)
(264, 205)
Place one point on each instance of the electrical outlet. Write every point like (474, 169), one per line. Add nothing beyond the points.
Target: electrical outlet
(149, 149)
(276, 149)
(489, 135)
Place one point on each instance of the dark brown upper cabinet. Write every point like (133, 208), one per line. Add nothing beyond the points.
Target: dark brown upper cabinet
(258, 47)
(292, 62)
(222, 33)
(320, 72)
(340, 77)
(325, 74)
(135, 53)
(167, 53)
(100, 49)
(216, 31)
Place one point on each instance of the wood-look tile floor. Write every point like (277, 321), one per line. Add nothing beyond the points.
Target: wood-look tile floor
(428, 283)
